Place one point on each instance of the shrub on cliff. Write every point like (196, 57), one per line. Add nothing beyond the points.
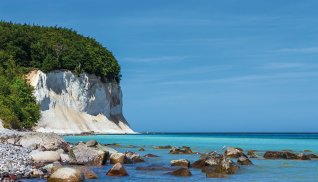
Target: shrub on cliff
(18, 108)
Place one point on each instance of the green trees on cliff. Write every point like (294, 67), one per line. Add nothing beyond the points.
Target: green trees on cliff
(18, 108)
(51, 48)
(25, 47)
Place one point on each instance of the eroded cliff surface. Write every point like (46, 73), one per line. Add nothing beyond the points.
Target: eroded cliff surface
(77, 103)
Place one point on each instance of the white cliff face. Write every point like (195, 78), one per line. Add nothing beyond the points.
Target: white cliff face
(76, 104)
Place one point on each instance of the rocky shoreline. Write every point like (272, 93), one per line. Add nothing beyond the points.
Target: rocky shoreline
(48, 156)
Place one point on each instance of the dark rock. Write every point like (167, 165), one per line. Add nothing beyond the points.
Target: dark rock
(134, 157)
(163, 147)
(199, 164)
(183, 150)
(251, 154)
(307, 151)
(302, 156)
(117, 170)
(141, 149)
(150, 155)
(91, 143)
(182, 172)
(217, 165)
(312, 156)
(280, 155)
(180, 162)
(244, 161)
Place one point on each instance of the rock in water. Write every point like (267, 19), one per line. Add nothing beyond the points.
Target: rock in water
(182, 172)
(117, 170)
(183, 150)
(45, 156)
(180, 162)
(199, 164)
(234, 152)
(87, 172)
(89, 155)
(72, 103)
(66, 174)
(117, 158)
(244, 161)
(285, 155)
(150, 155)
(134, 157)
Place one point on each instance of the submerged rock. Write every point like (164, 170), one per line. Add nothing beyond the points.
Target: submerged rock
(66, 174)
(163, 147)
(141, 149)
(153, 168)
(180, 162)
(117, 170)
(150, 155)
(182, 172)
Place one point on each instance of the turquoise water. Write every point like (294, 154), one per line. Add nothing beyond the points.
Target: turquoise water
(263, 170)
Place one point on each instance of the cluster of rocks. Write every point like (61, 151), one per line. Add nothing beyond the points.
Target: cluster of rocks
(38, 155)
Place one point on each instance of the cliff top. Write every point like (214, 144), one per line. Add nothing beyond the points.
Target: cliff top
(51, 48)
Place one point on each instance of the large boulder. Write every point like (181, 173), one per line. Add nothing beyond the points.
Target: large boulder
(180, 162)
(43, 141)
(45, 156)
(66, 174)
(117, 170)
(117, 158)
(182, 172)
(89, 155)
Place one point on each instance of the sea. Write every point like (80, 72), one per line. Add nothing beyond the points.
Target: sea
(262, 170)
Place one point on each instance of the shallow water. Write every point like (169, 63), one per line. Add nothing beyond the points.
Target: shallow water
(263, 170)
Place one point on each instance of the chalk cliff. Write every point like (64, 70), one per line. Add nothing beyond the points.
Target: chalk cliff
(77, 103)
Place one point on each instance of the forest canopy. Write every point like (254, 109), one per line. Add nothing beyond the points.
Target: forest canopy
(53, 48)
(26, 47)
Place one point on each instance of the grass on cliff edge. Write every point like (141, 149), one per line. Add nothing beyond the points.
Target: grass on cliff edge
(24, 47)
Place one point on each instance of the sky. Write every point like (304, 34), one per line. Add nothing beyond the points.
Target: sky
(201, 65)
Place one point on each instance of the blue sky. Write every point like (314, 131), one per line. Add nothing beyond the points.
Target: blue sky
(201, 65)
